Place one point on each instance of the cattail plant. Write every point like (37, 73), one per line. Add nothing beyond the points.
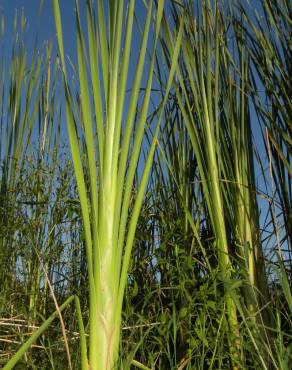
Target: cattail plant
(112, 153)
(270, 50)
(197, 93)
(156, 254)
(212, 97)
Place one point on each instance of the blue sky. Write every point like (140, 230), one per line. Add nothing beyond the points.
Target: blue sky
(40, 21)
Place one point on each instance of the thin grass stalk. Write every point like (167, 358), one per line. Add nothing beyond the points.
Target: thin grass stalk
(83, 345)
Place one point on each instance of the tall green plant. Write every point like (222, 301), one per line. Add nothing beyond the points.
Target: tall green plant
(25, 100)
(211, 92)
(270, 50)
(112, 149)
(197, 93)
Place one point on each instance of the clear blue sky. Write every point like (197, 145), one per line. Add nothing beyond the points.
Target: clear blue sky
(39, 21)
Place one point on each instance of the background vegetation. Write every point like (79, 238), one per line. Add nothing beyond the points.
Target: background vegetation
(210, 270)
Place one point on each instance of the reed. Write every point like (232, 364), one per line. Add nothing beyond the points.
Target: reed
(112, 154)
(163, 226)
